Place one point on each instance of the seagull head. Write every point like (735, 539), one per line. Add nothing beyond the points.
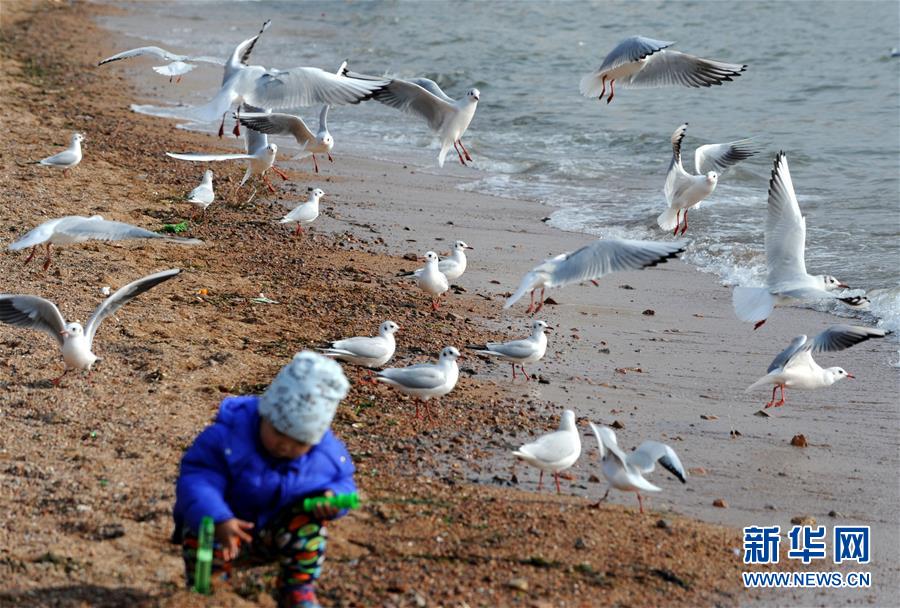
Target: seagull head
(539, 326)
(326, 140)
(72, 330)
(315, 194)
(473, 95)
(832, 283)
(208, 175)
(460, 246)
(712, 177)
(431, 257)
(388, 327)
(77, 138)
(450, 354)
(838, 373)
(272, 149)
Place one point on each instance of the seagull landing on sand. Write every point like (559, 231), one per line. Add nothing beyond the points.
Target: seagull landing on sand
(794, 367)
(685, 191)
(68, 158)
(592, 262)
(77, 229)
(453, 267)
(304, 213)
(626, 472)
(554, 452)
(287, 124)
(519, 352)
(642, 62)
(261, 160)
(787, 280)
(75, 341)
(447, 117)
(425, 380)
(203, 195)
(365, 351)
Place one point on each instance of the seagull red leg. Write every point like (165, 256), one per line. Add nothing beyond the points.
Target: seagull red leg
(465, 152)
(556, 477)
(49, 257)
(30, 255)
(280, 173)
(541, 303)
(677, 222)
(461, 161)
(315, 162)
(513, 370)
(759, 324)
(640, 501)
(612, 90)
(524, 373)
(531, 306)
(603, 91)
(540, 481)
(222, 125)
(684, 228)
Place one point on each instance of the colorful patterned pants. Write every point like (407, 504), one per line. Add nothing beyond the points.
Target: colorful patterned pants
(293, 538)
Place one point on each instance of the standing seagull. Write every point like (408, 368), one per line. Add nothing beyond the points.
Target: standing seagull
(685, 191)
(554, 452)
(626, 472)
(304, 213)
(203, 195)
(422, 97)
(592, 262)
(519, 352)
(431, 280)
(641, 62)
(425, 380)
(68, 158)
(78, 229)
(365, 351)
(74, 340)
(794, 367)
(787, 280)
(453, 267)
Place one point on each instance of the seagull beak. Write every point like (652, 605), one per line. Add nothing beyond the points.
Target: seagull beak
(843, 285)
(467, 247)
(64, 334)
(851, 376)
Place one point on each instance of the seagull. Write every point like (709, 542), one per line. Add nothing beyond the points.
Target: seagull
(554, 452)
(626, 472)
(519, 352)
(68, 158)
(685, 191)
(787, 280)
(75, 341)
(365, 351)
(304, 213)
(592, 262)
(261, 160)
(642, 62)
(794, 367)
(425, 380)
(180, 64)
(203, 195)
(422, 97)
(431, 280)
(453, 267)
(287, 124)
(79, 229)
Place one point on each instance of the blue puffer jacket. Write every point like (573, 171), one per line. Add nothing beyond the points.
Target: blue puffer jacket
(228, 473)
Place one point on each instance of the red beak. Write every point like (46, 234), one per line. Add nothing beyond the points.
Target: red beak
(843, 286)
(851, 376)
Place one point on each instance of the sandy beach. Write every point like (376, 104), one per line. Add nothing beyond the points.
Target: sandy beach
(88, 471)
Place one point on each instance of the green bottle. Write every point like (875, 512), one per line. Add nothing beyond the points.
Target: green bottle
(341, 501)
(203, 571)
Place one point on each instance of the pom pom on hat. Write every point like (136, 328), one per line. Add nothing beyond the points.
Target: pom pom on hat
(303, 397)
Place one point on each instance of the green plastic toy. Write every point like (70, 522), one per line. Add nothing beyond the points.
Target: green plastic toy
(341, 501)
(203, 571)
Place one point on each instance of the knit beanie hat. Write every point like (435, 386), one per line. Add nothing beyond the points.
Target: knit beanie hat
(303, 397)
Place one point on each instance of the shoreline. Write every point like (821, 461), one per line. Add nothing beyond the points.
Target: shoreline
(676, 349)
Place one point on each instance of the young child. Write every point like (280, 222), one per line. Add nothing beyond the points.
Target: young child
(251, 469)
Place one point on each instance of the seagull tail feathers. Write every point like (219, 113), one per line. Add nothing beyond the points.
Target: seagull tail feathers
(591, 85)
(668, 219)
(761, 382)
(524, 287)
(752, 304)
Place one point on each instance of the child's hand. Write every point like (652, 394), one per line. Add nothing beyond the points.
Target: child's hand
(323, 512)
(230, 533)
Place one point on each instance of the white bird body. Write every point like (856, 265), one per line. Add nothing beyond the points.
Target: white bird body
(592, 262)
(787, 280)
(304, 213)
(203, 195)
(431, 280)
(425, 380)
(795, 367)
(626, 471)
(365, 351)
(556, 451)
(453, 266)
(75, 341)
(176, 69)
(519, 352)
(643, 62)
(68, 158)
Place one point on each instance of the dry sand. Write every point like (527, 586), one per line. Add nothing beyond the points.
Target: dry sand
(88, 471)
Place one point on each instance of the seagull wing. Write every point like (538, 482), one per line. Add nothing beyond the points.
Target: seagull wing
(162, 54)
(301, 87)
(672, 68)
(209, 157)
(124, 295)
(839, 337)
(66, 157)
(98, 229)
(552, 447)
(675, 184)
(517, 349)
(423, 376)
(32, 312)
(649, 453)
(410, 97)
(432, 87)
(37, 235)
(611, 255)
(785, 356)
(369, 348)
(279, 124)
(719, 157)
(785, 228)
